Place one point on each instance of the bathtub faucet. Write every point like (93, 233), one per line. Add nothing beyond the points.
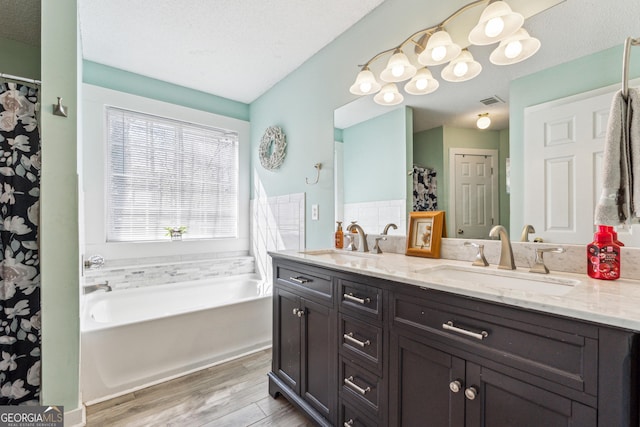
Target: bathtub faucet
(92, 288)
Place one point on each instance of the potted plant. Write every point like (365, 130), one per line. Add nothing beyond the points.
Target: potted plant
(176, 232)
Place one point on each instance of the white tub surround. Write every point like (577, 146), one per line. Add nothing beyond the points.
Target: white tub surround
(134, 338)
(613, 303)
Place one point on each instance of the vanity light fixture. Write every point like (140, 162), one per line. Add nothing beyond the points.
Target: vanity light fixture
(434, 46)
(484, 121)
(515, 48)
(389, 95)
(422, 83)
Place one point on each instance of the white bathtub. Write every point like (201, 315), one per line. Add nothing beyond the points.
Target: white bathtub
(134, 338)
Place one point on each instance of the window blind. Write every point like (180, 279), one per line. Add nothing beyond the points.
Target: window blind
(169, 173)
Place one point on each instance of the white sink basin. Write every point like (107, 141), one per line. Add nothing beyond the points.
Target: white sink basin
(500, 279)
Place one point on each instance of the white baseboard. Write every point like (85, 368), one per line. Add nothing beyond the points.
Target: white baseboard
(76, 417)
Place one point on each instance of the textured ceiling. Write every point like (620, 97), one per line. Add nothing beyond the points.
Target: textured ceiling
(20, 21)
(236, 49)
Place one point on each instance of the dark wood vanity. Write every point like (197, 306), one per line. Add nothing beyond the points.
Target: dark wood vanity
(355, 350)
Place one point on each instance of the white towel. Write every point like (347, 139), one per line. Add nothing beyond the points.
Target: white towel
(620, 197)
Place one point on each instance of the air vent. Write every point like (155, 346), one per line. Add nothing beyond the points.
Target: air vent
(495, 99)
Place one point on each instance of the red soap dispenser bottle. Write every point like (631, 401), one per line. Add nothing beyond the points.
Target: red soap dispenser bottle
(603, 256)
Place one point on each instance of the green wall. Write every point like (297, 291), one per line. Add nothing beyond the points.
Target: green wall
(135, 84)
(303, 104)
(19, 59)
(581, 75)
(427, 152)
(59, 239)
(375, 158)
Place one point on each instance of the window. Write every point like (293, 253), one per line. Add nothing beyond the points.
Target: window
(169, 173)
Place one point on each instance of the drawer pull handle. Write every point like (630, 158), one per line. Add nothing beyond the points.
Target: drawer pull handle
(300, 280)
(353, 298)
(356, 387)
(479, 335)
(298, 312)
(348, 423)
(349, 337)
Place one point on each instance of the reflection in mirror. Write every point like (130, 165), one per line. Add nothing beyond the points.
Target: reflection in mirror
(448, 115)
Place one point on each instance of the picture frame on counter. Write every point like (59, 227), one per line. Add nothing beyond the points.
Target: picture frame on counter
(425, 233)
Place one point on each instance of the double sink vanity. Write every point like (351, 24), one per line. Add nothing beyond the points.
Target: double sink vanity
(364, 339)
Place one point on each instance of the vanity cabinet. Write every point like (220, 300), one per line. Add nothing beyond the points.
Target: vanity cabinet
(384, 353)
(304, 362)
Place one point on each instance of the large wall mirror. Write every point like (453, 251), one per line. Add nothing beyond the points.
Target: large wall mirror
(377, 146)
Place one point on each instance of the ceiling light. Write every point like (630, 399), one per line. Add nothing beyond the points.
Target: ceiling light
(398, 68)
(422, 83)
(365, 84)
(440, 49)
(515, 48)
(496, 22)
(388, 95)
(483, 121)
(462, 68)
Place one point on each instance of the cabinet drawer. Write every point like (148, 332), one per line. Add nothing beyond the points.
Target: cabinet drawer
(360, 299)
(361, 342)
(362, 388)
(351, 417)
(312, 282)
(559, 351)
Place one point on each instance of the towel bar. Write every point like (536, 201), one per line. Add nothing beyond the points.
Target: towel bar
(630, 41)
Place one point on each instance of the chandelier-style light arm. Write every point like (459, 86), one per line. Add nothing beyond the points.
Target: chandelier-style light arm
(429, 30)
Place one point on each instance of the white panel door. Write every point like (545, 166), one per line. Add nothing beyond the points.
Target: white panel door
(476, 194)
(563, 149)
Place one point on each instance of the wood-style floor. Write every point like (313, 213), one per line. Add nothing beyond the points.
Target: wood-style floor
(233, 394)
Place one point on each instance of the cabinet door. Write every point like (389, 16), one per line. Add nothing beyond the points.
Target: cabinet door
(319, 351)
(421, 383)
(501, 401)
(287, 337)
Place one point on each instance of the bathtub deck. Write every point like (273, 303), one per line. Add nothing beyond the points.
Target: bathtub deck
(233, 394)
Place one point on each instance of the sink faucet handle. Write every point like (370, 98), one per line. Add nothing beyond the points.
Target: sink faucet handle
(538, 265)
(376, 247)
(351, 244)
(480, 260)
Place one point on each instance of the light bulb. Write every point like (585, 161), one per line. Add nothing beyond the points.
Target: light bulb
(421, 84)
(460, 69)
(397, 70)
(494, 27)
(483, 122)
(438, 53)
(388, 97)
(365, 87)
(513, 49)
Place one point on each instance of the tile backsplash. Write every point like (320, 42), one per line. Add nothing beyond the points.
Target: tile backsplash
(373, 216)
(124, 274)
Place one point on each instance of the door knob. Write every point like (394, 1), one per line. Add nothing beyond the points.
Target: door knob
(455, 386)
(460, 231)
(471, 393)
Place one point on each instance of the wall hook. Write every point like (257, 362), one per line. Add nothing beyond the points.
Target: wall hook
(59, 109)
(318, 166)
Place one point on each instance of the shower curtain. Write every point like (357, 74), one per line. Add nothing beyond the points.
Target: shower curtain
(425, 197)
(19, 254)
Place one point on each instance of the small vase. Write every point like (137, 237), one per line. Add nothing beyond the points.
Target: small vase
(176, 235)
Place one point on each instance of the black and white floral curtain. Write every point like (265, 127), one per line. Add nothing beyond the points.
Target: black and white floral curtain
(425, 197)
(19, 254)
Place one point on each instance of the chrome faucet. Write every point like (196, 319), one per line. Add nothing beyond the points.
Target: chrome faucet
(525, 232)
(386, 228)
(506, 253)
(362, 247)
(100, 286)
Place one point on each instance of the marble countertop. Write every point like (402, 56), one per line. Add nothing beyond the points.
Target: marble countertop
(614, 303)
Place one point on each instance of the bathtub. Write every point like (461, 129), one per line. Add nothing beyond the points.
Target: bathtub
(134, 338)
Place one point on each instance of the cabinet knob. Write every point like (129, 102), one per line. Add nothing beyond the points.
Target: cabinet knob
(455, 386)
(471, 393)
(298, 312)
(348, 423)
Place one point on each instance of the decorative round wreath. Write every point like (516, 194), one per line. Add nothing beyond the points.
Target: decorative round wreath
(272, 148)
